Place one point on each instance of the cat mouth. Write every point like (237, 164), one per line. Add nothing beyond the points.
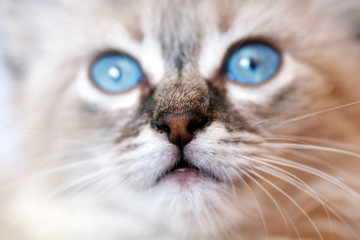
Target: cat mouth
(185, 169)
(184, 165)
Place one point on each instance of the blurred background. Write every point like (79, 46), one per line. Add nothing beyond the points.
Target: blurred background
(8, 137)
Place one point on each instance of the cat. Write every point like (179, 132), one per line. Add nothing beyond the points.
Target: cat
(184, 119)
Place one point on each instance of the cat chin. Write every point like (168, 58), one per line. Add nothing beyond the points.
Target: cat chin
(189, 203)
(187, 183)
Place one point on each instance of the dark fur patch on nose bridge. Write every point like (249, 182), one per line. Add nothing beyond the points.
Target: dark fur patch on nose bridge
(180, 58)
(177, 97)
(179, 63)
(179, 55)
(179, 36)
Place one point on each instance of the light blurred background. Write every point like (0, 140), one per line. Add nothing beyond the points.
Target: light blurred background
(8, 137)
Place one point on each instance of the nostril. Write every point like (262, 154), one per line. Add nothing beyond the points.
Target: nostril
(162, 127)
(196, 124)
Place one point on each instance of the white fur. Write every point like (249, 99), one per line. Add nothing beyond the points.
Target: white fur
(93, 177)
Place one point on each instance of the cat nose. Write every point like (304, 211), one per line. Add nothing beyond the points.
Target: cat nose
(180, 128)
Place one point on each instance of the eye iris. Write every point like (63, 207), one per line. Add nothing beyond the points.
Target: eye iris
(253, 64)
(115, 73)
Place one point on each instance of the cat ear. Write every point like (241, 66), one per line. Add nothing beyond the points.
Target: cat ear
(24, 25)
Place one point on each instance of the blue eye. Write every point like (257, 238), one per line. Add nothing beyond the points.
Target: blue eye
(253, 63)
(115, 73)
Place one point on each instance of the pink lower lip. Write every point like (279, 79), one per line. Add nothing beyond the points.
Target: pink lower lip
(186, 177)
(185, 173)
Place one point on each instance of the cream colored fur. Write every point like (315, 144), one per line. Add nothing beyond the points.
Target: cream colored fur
(295, 177)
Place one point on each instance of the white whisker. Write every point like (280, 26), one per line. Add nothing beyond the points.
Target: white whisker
(257, 205)
(291, 200)
(284, 214)
(312, 171)
(311, 147)
(307, 140)
(295, 181)
(319, 112)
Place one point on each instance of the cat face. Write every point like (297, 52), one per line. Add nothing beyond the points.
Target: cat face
(190, 142)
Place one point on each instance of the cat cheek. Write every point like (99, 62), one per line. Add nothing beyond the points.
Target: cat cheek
(225, 154)
(149, 160)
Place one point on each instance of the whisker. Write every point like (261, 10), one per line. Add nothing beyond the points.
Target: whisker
(103, 185)
(257, 205)
(299, 184)
(311, 147)
(80, 182)
(292, 200)
(308, 140)
(48, 171)
(312, 171)
(42, 174)
(326, 164)
(303, 115)
(90, 178)
(281, 210)
(349, 149)
(295, 181)
(327, 206)
(319, 112)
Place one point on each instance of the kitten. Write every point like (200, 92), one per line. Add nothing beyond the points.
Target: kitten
(184, 119)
